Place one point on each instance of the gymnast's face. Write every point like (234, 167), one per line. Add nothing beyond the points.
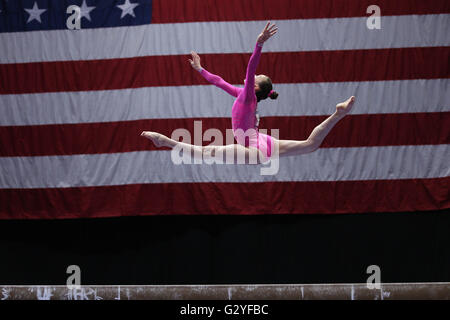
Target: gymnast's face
(258, 79)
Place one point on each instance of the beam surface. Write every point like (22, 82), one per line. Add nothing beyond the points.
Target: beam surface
(358, 291)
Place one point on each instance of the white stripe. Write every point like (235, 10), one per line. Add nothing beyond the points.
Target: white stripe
(402, 96)
(367, 163)
(224, 37)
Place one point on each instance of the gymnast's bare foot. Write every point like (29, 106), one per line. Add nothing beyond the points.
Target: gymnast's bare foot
(158, 139)
(345, 107)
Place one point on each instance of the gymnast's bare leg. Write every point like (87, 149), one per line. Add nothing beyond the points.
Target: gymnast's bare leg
(295, 147)
(228, 154)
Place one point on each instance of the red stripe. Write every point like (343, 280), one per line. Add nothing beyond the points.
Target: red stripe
(227, 198)
(174, 70)
(112, 137)
(173, 11)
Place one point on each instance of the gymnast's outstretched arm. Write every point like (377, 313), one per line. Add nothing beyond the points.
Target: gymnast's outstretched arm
(212, 78)
(249, 87)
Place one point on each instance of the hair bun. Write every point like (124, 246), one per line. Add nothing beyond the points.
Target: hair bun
(274, 95)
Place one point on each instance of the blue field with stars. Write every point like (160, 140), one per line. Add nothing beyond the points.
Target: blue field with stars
(32, 15)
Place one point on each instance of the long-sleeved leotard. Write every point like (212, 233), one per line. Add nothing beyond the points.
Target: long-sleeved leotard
(243, 113)
(222, 84)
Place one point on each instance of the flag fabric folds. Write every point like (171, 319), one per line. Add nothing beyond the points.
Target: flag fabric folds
(73, 103)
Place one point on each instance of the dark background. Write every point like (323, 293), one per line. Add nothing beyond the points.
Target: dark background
(408, 247)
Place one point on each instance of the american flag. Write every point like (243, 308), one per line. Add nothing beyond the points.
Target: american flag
(74, 102)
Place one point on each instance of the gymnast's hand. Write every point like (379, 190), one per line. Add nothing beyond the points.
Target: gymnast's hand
(195, 61)
(268, 31)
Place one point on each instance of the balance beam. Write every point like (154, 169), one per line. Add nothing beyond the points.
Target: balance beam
(356, 291)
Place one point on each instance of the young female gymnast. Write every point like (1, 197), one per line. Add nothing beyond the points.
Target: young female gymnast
(243, 116)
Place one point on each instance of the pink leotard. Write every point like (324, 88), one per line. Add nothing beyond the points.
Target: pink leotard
(243, 113)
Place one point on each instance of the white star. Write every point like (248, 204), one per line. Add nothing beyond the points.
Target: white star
(127, 8)
(35, 13)
(84, 9)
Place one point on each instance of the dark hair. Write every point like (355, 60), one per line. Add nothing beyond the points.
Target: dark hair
(265, 87)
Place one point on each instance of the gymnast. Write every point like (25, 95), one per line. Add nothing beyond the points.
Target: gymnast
(251, 142)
